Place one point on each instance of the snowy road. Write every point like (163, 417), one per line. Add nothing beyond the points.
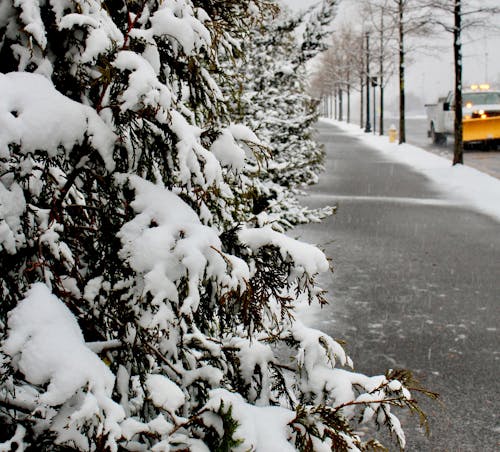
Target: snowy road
(417, 285)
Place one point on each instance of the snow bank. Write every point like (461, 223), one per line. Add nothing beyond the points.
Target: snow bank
(460, 182)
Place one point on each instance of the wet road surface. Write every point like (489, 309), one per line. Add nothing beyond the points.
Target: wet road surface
(416, 285)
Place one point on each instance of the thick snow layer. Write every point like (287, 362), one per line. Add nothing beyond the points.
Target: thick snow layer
(164, 393)
(47, 346)
(35, 116)
(228, 152)
(264, 429)
(460, 182)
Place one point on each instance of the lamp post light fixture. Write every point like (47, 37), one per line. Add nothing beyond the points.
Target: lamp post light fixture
(368, 127)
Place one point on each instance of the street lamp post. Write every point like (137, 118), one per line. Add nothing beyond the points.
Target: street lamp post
(374, 86)
(368, 127)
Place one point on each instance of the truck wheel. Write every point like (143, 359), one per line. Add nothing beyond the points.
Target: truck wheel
(437, 138)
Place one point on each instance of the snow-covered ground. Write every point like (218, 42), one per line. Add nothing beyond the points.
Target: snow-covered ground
(460, 182)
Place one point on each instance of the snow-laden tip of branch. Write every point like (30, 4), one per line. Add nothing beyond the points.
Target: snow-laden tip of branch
(102, 32)
(317, 348)
(31, 114)
(32, 20)
(12, 206)
(265, 429)
(228, 152)
(194, 159)
(176, 20)
(306, 258)
(164, 393)
(226, 147)
(144, 89)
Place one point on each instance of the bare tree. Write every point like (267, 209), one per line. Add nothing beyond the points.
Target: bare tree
(348, 53)
(456, 17)
(394, 21)
(340, 69)
(323, 82)
(409, 18)
(383, 27)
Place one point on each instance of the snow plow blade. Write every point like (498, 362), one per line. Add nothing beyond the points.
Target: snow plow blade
(481, 129)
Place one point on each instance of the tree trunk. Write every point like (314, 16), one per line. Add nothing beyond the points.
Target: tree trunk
(402, 132)
(335, 116)
(368, 126)
(341, 105)
(361, 104)
(381, 114)
(349, 103)
(458, 149)
(381, 68)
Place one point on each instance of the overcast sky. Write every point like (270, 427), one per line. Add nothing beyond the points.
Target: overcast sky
(431, 76)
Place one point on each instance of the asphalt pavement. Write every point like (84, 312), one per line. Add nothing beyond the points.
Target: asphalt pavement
(416, 285)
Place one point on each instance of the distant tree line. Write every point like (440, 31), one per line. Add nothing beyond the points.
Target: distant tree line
(390, 27)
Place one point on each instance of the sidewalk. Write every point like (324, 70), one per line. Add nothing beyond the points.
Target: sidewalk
(485, 161)
(461, 182)
(417, 280)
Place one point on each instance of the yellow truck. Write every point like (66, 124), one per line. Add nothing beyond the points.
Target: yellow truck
(481, 117)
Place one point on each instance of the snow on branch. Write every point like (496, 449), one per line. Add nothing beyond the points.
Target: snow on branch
(305, 258)
(258, 428)
(32, 112)
(165, 247)
(46, 345)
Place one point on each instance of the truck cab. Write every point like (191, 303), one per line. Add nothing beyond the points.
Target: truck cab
(481, 116)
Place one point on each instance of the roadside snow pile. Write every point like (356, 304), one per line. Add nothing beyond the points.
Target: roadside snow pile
(460, 182)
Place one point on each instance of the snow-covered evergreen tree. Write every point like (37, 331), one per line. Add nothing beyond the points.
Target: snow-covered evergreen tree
(274, 102)
(141, 307)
